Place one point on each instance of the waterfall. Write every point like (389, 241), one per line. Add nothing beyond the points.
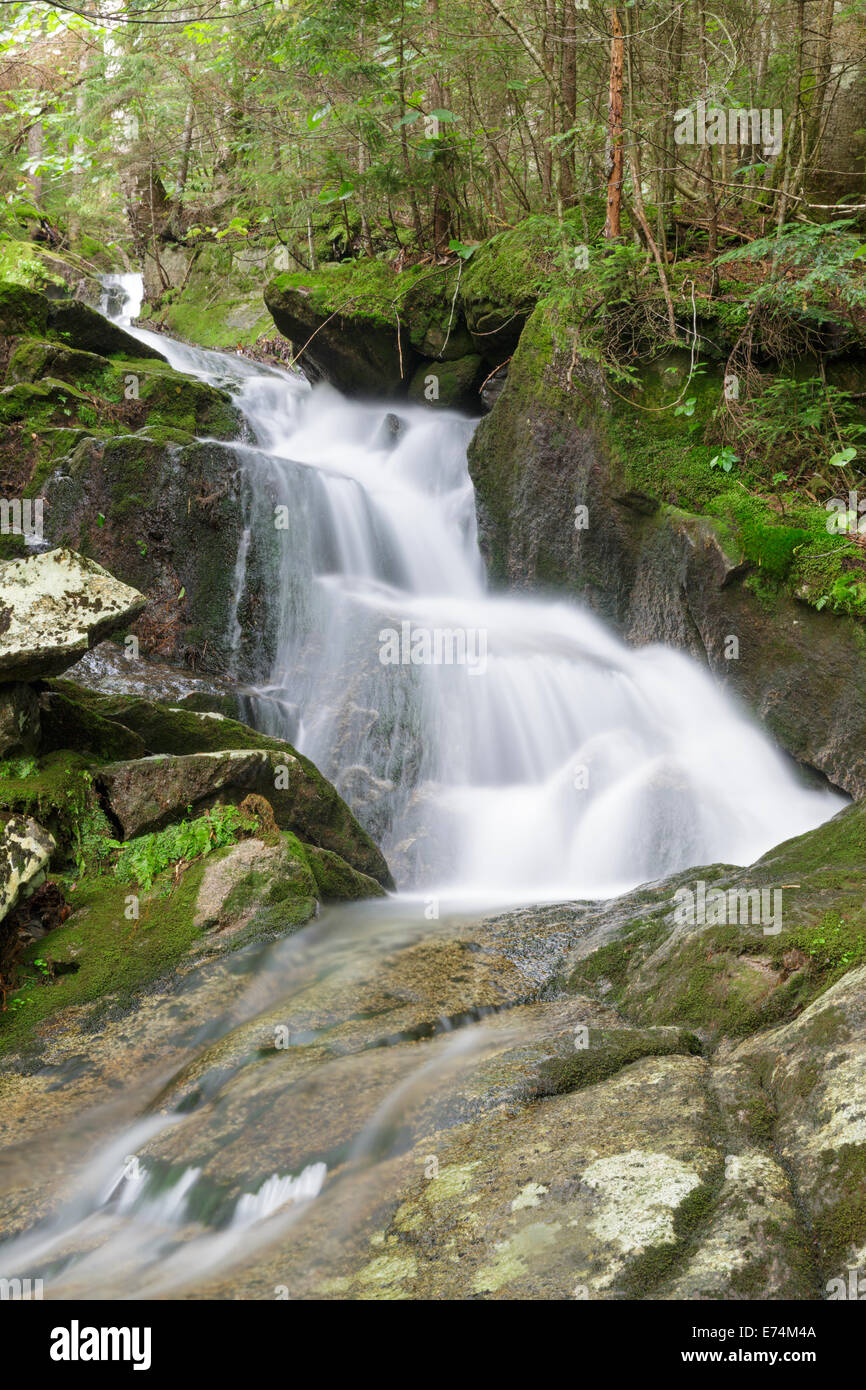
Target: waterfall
(497, 746)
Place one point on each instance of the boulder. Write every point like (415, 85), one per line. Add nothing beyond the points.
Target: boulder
(66, 724)
(25, 849)
(257, 887)
(362, 352)
(83, 328)
(262, 888)
(53, 608)
(148, 793)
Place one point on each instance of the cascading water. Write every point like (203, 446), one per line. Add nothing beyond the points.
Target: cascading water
(551, 762)
(538, 756)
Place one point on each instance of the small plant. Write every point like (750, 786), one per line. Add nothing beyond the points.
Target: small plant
(18, 767)
(143, 859)
(835, 944)
(726, 459)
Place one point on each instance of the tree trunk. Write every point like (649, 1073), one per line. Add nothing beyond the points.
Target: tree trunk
(614, 132)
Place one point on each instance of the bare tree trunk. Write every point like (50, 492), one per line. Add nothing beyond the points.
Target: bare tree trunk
(614, 132)
(569, 98)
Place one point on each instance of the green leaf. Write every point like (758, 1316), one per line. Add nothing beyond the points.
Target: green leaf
(461, 249)
(843, 456)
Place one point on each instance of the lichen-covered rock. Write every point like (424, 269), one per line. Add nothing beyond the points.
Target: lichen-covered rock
(25, 849)
(149, 792)
(53, 607)
(813, 1072)
(19, 719)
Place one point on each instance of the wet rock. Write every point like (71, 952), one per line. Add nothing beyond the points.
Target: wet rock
(19, 719)
(390, 431)
(165, 513)
(53, 607)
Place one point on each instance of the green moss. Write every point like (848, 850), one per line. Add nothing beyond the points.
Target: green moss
(67, 723)
(60, 796)
(107, 957)
(608, 1050)
(287, 900)
(42, 403)
(163, 729)
(34, 358)
(369, 288)
(834, 945)
(613, 961)
(514, 268)
(337, 881)
(840, 1228)
(646, 1271)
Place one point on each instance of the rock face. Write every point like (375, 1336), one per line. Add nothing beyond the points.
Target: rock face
(359, 351)
(53, 608)
(187, 502)
(657, 572)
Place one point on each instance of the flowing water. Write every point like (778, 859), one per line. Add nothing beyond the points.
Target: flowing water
(501, 749)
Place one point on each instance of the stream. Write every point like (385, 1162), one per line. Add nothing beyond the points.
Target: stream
(504, 751)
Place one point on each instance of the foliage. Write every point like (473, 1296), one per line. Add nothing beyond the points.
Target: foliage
(143, 859)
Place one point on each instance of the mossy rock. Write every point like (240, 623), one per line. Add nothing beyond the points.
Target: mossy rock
(69, 724)
(76, 324)
(103, 955)
(22, 310)
(35, 358)
(58, 792)
(337, 881)
(452, 385)
(346, 328)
